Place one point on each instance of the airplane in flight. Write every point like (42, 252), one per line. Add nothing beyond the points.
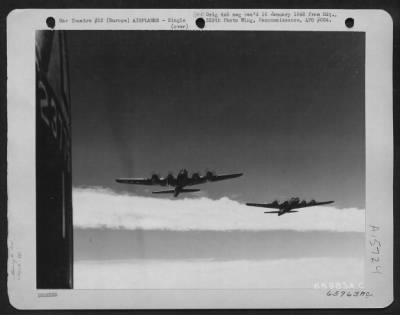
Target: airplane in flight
(179, 182)
(288, 205)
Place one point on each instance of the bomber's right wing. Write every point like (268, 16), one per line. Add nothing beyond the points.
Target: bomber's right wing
(312, 204)
(135, 181)
(264, 205)
(216, 178)
(212, 178)
(321, 203)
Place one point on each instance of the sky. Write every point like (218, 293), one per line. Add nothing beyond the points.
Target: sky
(284, 108)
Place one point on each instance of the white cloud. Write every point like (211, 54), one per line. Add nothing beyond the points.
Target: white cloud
(198, 274)
(103, 208)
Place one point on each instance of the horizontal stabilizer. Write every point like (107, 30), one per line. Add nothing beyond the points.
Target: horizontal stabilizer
(173, 191)
(188, 190)
(164, 192)
(263, 205)
(280, 213)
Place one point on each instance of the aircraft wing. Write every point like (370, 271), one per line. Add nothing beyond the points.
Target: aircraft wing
(323, 203)
(313, 204)
(264, 205)
(214, 178)
(135, 181)
(217, 178)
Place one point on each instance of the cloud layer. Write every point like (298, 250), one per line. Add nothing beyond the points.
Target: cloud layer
(206, 274)
(103, 208)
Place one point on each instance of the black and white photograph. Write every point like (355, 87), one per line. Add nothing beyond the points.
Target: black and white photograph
(216, 159)
(201, 160)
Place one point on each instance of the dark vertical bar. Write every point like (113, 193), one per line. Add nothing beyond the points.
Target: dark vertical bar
(54, 238)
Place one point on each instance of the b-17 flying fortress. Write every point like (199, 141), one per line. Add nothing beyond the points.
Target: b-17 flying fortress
(287, 206)
(179, 182)
(183, 179)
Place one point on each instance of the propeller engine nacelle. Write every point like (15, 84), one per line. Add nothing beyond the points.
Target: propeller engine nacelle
(171, 179)
(155, 179)
(195, 176)
(210, 175)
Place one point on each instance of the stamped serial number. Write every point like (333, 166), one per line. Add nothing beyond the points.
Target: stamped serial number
(345, 293)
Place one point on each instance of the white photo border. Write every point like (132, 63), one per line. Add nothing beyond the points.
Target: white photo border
(21, 27)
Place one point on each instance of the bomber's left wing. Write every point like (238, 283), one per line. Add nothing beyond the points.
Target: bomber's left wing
(136, 181)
